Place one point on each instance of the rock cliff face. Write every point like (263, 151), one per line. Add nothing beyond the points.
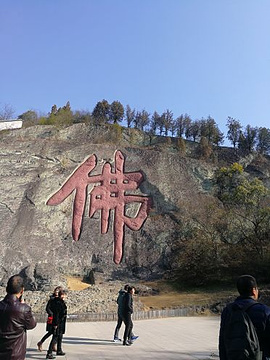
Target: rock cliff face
(36, 239)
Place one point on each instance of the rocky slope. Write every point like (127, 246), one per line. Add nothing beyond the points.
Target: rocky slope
(96, 299)
(36, 239)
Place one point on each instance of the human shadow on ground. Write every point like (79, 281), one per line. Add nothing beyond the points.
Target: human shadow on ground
(88, 341)
(33, 353)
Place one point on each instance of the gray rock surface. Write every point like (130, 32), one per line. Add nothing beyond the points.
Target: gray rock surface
(36, 239)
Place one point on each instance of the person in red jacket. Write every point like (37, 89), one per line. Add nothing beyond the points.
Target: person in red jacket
(15, 318)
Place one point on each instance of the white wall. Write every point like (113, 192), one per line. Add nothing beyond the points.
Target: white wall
(13, 124)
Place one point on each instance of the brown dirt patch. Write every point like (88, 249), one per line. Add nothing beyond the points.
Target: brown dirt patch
(76, 284)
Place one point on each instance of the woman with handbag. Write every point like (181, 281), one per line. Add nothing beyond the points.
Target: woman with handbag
(59, 310)
(49, 327)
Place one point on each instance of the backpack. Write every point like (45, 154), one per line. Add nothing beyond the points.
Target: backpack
(240, 336)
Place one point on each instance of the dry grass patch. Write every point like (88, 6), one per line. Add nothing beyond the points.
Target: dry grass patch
(169, 298)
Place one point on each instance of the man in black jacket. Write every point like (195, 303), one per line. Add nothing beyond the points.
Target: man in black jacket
(15, 318)
(119, 301)
(127, 312)
(258, 313)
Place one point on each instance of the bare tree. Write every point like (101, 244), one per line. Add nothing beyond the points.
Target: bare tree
(6, 112)
(155, 120)
(167, 118)
(130, 116)
(183, 122)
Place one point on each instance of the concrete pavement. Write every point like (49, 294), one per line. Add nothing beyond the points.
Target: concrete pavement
(185, 338)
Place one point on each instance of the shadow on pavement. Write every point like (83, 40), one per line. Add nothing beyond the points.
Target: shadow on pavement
(87, 341)
(34, 354)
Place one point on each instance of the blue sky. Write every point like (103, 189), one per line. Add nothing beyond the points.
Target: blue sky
(201, 57)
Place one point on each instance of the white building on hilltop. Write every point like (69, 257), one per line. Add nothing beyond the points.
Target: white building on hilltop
(10, 124)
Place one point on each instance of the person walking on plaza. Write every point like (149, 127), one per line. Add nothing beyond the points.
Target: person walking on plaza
(127, 314)
(119, 301)
(257, 324)
(120, 318)
(59, 311)
(49, 326)
(15, 318)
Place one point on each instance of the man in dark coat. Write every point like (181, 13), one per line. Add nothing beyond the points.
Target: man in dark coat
(15, 318)
(120, 299)
(258, 313)
(127, 314)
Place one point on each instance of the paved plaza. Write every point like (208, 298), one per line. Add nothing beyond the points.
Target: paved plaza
(185, 338)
